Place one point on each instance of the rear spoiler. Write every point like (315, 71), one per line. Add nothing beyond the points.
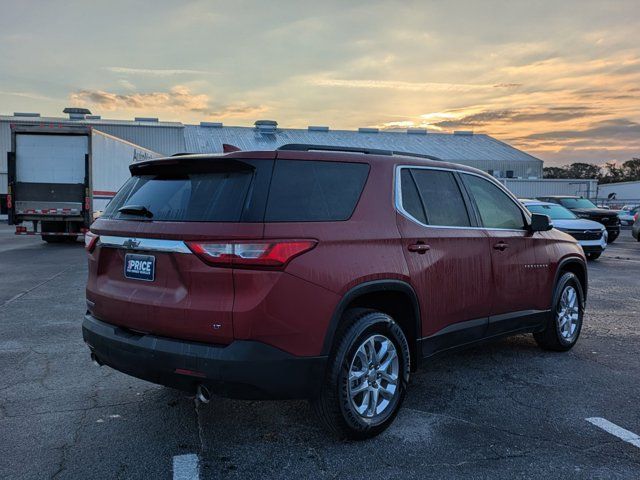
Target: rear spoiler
(188, 164)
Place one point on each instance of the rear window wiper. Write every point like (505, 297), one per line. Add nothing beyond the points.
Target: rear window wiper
(136, 210)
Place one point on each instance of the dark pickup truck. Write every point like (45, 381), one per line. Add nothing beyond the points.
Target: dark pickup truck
(585, 208)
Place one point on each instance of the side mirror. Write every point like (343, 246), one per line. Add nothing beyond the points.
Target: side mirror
(540, 223)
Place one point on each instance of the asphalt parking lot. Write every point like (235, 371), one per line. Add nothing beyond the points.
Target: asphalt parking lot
(502, 410)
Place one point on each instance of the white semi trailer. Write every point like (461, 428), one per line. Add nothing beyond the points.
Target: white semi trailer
(60, 176)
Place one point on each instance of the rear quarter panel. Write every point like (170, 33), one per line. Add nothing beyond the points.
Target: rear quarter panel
(364, 248)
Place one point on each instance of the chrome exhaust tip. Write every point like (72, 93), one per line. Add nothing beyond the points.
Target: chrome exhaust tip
(203, 394)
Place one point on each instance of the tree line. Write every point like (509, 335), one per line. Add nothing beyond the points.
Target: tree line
(610, 172)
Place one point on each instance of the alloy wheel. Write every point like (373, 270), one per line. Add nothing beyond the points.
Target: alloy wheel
(373, 376)
(568, 313)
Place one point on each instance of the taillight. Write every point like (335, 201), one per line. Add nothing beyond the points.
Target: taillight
(9, 201)
(635, 217)
(271, 255)
(90, 240)
(87, 203)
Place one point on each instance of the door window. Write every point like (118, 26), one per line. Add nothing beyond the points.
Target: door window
(496, 208)
(433, 197)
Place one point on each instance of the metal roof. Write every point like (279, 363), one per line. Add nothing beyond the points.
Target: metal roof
(449, 147)
(35, 117)
(209, 137)
(476, 150)
(166, 138)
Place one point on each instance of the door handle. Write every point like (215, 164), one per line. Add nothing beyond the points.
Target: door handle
(419, 247)
(502, 246)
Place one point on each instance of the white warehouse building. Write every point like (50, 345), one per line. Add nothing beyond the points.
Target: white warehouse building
(477, 150)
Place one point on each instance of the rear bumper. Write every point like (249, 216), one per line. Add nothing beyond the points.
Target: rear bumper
(243, 369)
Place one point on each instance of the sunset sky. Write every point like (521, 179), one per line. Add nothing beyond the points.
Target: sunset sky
(559, 79)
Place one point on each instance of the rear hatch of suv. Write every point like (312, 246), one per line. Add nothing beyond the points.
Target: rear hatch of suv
(143, 273)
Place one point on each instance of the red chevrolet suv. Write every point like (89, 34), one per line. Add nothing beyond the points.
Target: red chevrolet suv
(319, 273)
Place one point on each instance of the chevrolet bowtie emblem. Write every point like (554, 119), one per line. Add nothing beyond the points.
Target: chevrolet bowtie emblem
(131, 243)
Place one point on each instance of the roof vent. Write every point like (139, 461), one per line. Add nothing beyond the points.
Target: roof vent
(266, 126)
(368, 130)
(317, 128)
(211, 124)
(93, 117)
(25, 114)
(417, 131)
(77, 113)
(146, 119)
(463, 132)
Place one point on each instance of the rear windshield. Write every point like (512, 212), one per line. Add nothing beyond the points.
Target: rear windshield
(280, 191)
(195, 197)
(312, 191)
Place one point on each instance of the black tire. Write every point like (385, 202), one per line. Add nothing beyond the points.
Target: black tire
(551, 337)
(612, 237)
(593, 256)
(334, 406)
(53, 238)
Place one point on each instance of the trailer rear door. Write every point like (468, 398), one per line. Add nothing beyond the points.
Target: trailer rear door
(50, 173)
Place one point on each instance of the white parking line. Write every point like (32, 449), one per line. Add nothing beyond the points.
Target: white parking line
(614, 429)
(185, 467)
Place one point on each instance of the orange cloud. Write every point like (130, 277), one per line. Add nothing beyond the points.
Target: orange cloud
(177, 99)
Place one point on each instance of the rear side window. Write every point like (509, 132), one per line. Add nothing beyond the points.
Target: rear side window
(314, 191)
(410, 197)
(439, 195)
(186, 197)
(496, 208)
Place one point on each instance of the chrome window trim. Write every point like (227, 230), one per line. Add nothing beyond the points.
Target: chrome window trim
(400, 209)
(144, 244)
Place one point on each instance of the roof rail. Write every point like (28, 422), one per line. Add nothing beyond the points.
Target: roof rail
(418, 155)
(303, 147)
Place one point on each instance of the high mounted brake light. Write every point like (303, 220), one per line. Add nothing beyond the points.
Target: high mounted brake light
(268, 254)
(90, 240)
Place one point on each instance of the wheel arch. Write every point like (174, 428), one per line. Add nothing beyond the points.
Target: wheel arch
(394, 297)
(578, 267)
